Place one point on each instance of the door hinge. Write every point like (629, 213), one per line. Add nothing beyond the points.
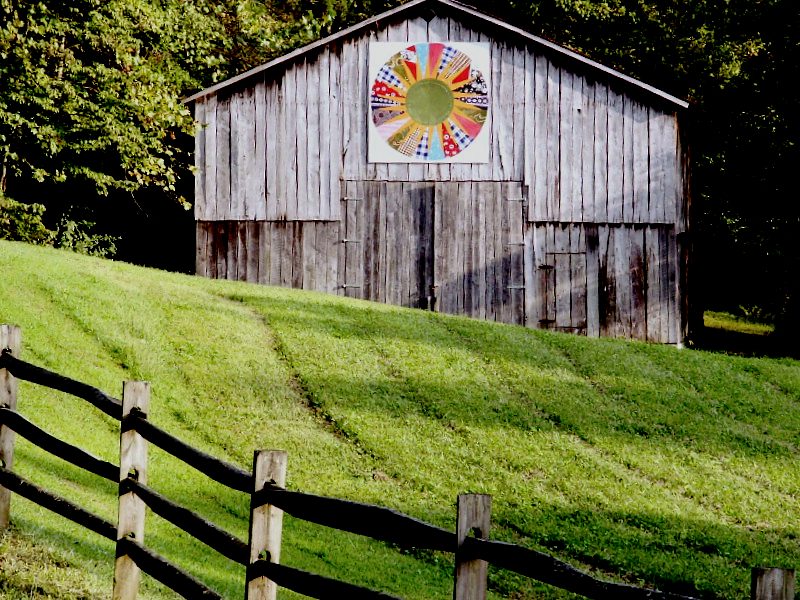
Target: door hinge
(546, 267)
(349, 241)
(351, 199)
(350, 285)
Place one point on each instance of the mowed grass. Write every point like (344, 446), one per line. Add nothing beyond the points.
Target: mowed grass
(640, 463)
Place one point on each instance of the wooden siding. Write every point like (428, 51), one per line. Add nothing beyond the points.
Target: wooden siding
(394, 246)
(587, 152)
(299, 254)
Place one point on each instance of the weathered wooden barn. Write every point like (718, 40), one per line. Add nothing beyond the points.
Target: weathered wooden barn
(572, 212)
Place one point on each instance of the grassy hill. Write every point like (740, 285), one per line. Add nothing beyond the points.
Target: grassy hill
(642, 463)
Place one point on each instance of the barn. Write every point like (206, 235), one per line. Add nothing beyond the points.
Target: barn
(438, 158)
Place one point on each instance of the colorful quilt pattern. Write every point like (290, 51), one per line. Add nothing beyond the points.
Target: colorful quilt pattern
(429, 102)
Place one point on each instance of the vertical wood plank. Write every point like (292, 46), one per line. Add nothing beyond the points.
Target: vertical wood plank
(232, 249)
(638, 277)
(241, 261)
(354, 269)
(601, 185)
(275, 251)
(654, 299)
(266, 521)
(251, 174)
(273, 98)
(304, 207)
(566, 154)
(133, 464)
(237, 127)
(289, 251)
(335, 147)
(563, 277)
(297, 231)
(252, 237)
(577, 265)
(587, 152)
(200, 249)
(479, 249)
(550, 276)
(324, 132)
(772, 584)
(264, 252)
(286, 147)
(575, 198)
(537, 285)
(212, 158)
(615, 157)
(257, 183)
(540, 142)
(606, 284)
(223, 163)
(503, 141)
(628, 164)
(592, 281)
(553, 142)
(657, 165)
(494, 257)
(315, 207)
(518, 124)
(674, 290)
(527, 138)
(641, 175)
(348, 103)
(673, 191)
(10, 341)
(622, 252)
(200, 158)
(474, 518)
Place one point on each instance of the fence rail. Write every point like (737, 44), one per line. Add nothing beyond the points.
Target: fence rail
(269, 499)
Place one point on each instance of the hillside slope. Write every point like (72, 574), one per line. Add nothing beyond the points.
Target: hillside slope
(643, 463)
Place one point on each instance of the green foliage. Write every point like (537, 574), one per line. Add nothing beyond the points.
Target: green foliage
(91, 90)
(643, 463)
(23, 222)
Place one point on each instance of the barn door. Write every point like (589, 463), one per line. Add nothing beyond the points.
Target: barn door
(562, 271)
(387, 242)
(479, 250)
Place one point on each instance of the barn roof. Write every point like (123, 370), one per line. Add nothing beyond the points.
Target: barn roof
(409, 9)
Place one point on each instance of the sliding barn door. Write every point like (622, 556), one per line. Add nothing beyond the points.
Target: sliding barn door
(387, 242)
(479, 250)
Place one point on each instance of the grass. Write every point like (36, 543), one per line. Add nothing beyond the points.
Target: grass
(641, 463)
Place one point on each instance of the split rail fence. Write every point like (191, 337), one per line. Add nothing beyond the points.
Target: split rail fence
(269, 499)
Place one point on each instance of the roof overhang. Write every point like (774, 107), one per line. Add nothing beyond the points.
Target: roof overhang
(407, 10)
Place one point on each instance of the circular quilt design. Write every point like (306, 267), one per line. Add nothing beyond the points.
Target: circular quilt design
(428, 102)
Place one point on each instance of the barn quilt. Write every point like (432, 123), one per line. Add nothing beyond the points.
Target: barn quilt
(429, 102)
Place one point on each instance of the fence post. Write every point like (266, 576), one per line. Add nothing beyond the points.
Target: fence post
(474, 516)
(266, 521)
(772, 584)
(132, 463)
(11, 340)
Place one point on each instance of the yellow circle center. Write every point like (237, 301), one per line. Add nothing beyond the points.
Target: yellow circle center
(429, 101)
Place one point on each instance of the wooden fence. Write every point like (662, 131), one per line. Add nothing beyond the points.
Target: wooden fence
(269, 499)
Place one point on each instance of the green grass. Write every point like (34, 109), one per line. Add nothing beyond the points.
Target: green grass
(640, 463)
